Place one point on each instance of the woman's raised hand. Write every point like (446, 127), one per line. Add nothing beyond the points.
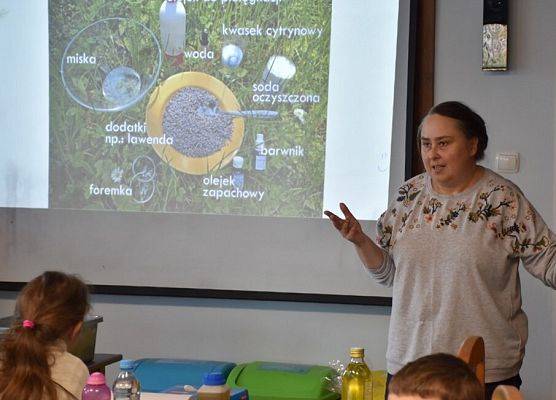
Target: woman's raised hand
(369, 253)
(349, 227)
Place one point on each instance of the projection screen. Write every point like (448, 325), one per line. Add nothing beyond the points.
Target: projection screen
(194, 145)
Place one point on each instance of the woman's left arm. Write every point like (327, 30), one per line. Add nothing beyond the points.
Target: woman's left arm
(532, 241)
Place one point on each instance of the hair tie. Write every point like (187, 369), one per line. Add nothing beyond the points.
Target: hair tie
(28, 324)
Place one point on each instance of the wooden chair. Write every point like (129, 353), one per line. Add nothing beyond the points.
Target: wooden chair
(472, 351)
(504, 392)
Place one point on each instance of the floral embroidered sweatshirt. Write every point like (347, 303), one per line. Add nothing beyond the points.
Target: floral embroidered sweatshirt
(453, 263)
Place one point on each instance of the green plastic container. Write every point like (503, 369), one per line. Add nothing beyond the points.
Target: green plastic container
(278, 381)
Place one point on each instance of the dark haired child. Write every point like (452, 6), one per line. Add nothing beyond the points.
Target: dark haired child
(34, 361)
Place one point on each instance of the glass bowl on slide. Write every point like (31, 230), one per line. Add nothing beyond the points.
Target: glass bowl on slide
(111, 64)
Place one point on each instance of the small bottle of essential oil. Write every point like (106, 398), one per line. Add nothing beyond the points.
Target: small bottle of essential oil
(237, 174)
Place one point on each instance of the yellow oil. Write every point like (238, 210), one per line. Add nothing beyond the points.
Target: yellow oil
(357, 381)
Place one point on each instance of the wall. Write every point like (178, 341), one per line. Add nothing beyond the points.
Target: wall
(234, 330)
(519, 107)
(553, 380)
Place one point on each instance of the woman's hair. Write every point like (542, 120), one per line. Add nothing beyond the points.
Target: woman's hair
(51, 305)
(441, 376)
(470, 123)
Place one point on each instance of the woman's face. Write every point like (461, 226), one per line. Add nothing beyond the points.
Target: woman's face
(448, 155)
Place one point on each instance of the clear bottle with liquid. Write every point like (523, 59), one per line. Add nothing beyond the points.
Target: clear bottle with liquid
(126, 386)
(357, 381)
(172, 27)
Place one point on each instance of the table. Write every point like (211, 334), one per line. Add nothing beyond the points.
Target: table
(164, 396)
(101, 360)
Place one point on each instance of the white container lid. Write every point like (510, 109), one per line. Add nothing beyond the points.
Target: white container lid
(237, 162)
(281, 67)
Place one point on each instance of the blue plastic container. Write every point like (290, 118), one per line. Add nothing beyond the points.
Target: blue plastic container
(160, 374)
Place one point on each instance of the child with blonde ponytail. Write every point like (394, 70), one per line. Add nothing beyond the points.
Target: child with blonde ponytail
(34, 361)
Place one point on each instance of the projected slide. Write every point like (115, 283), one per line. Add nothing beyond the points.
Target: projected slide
(234, 107)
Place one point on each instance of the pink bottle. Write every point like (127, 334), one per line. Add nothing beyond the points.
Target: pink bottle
(96, 388)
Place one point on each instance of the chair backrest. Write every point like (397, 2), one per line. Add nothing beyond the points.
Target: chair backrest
(503, 392)
(472, 351)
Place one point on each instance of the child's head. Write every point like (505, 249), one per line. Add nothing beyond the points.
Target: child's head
(55, 303)
(50, 308)
(436, 377)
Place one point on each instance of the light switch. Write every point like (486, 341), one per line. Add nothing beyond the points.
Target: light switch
(507, 162)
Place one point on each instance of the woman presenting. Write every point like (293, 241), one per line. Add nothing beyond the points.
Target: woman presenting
(450, 245)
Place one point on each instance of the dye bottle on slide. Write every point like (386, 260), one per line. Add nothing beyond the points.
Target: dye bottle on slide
(259, 153)
(357, 381)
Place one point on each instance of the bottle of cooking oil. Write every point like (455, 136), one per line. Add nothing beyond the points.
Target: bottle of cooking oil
(357, 381)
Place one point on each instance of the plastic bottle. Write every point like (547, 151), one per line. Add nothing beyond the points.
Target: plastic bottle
(260, 157)
(172, 27)
(357, 381)
(214, 387)
(96, 388)
(126, 386)
(237, 173)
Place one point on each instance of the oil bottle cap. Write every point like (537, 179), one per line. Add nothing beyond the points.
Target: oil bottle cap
(357, 352)
(214, 379)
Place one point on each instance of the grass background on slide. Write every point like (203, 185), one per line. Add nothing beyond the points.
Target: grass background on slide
(293, 186)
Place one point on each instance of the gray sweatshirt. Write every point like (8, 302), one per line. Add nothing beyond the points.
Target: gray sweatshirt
(453, 264)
